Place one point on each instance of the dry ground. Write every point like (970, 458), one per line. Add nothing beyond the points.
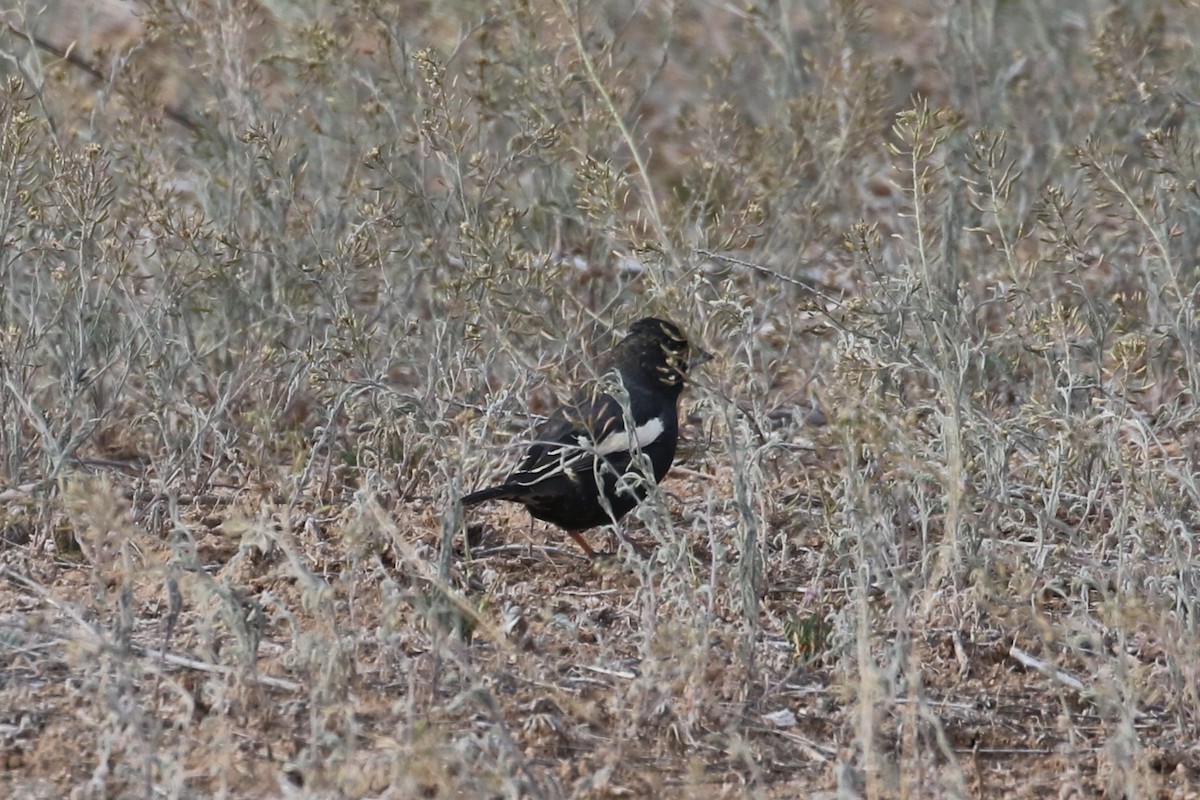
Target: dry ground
(280, 281)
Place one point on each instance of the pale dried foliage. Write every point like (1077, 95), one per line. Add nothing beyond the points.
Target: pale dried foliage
(278, 282)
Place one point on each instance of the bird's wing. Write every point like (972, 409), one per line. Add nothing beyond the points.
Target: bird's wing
(570, 442)
(565, 443)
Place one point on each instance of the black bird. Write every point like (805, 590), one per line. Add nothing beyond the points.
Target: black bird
(582, 469)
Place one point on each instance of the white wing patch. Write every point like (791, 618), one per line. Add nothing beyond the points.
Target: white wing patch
(644, 435)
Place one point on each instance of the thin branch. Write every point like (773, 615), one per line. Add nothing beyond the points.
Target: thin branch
(175, 114)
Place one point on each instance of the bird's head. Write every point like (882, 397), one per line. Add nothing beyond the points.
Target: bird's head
(657, 351)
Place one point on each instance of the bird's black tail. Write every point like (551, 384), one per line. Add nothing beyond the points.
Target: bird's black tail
(500, 492)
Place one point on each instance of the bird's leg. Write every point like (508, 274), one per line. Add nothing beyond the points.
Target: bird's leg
(587, 548)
